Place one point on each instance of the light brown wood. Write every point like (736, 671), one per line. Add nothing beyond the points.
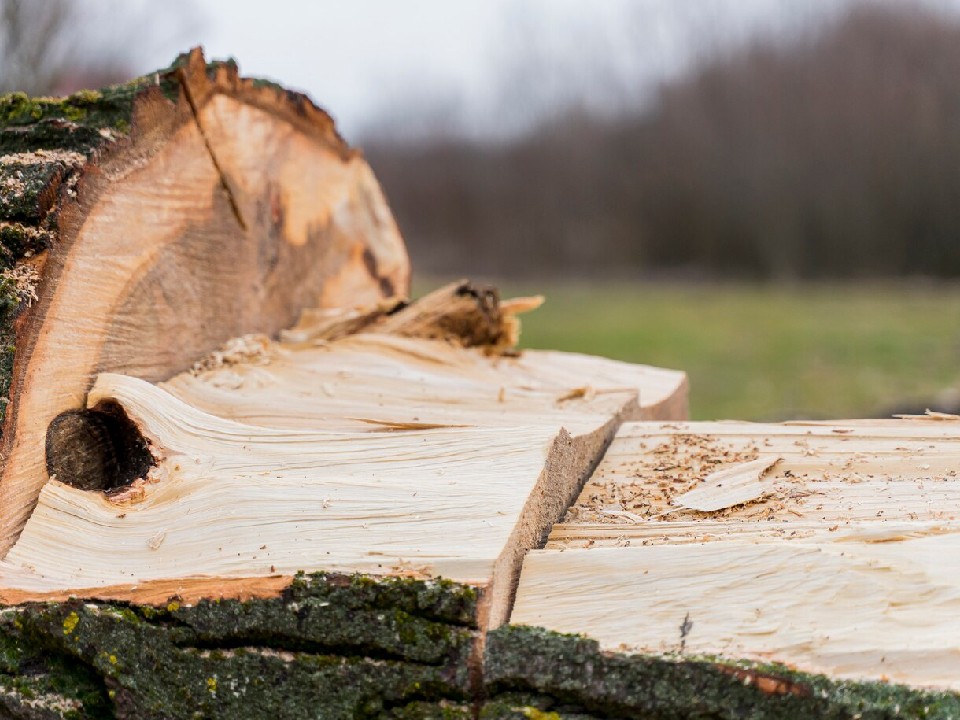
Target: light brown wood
(840, 557)
(373, 453)
(189, 591)
(466, 314)
(226, 212)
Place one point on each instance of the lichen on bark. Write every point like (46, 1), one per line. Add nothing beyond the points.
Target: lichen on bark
(329, 647)
(571, 676)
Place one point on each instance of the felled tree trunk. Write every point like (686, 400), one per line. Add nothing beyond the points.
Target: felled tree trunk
(144, 226)
(408, 450)
(244, 477)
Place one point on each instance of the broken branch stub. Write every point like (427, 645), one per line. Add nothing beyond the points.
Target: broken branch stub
(96, 449)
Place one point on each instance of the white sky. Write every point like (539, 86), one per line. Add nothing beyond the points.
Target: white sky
(361, 59)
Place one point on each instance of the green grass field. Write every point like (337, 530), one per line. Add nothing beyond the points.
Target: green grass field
(762, 353)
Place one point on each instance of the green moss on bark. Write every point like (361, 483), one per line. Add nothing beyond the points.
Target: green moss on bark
(82, 123)
(329, 647)
(29, 183)
(88, 107)
(110, 107)
(572, 671)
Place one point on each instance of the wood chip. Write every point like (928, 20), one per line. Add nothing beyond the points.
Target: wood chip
(730, 486)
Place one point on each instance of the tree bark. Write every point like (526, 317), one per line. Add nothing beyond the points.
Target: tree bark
(532, 672)
(327, 646)
(332, 646)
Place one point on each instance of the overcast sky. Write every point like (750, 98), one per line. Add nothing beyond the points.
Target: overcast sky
(365, 59)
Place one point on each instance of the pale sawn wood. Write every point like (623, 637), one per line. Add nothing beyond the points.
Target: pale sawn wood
(845, 564)
(373, 453)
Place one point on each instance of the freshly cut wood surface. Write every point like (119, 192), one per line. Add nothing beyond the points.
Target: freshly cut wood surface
(372, 453)
(175, 212)
(848, 562)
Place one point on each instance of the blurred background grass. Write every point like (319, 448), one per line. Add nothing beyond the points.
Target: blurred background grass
(766, 352)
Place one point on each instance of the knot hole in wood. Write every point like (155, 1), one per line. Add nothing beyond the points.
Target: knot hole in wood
(99, 449)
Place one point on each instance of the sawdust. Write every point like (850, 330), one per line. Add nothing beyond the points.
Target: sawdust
(673, 467)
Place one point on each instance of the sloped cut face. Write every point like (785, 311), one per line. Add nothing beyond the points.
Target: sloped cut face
(374, 453)
(227, 207)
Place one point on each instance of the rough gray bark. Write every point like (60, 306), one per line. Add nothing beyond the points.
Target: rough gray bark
(331, 646)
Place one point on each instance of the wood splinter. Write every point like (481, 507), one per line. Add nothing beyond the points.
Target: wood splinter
(460, 312)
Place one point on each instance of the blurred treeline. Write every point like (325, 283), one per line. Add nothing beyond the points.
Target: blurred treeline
(56, 47)
(832, 154)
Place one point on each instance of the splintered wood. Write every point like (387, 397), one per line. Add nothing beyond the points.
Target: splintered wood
(372, 453)
(830, 548)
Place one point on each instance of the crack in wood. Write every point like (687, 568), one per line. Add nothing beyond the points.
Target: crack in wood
(195, 111)
(291, 646)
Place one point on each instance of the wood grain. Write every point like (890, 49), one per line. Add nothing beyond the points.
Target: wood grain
(846, 564)
(227, 211)
(374, 453)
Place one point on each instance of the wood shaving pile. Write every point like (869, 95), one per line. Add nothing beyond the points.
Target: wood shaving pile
(674, 466)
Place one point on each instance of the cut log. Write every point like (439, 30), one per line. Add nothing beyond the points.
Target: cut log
(396, 458)
(144, 225)
(372, 453)
(841, 566)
